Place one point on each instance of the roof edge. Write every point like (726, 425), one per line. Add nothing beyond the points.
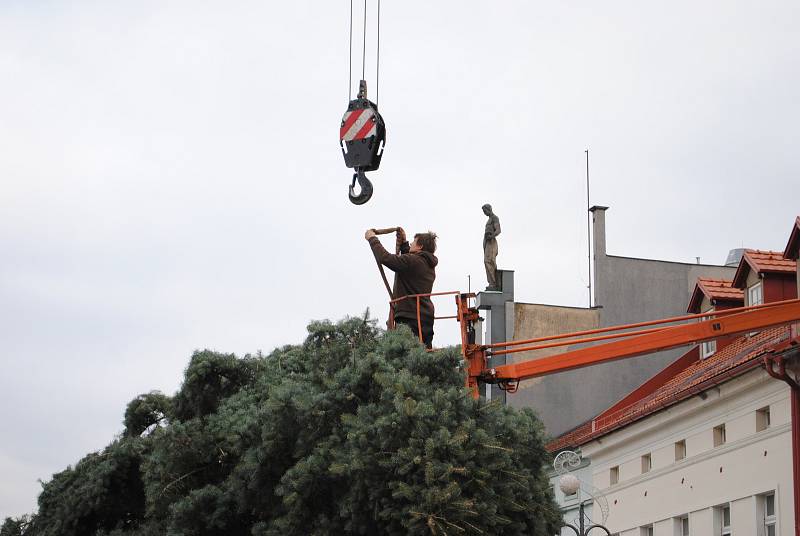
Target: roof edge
(740, 277)
(792, 249)
(697, 298)
(728, 375)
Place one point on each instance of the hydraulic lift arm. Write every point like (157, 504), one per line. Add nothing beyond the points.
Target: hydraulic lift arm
(633, 343)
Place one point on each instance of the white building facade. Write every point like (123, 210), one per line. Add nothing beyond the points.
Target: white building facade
(715, 464)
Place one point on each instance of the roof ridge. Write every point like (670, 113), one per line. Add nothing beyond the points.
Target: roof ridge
(769, 251)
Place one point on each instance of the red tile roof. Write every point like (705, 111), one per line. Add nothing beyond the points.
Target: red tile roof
(762, 262)
(714, 289)
(735, 359)
(792, 250)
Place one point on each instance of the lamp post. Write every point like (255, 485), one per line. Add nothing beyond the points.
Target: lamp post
(570, 485)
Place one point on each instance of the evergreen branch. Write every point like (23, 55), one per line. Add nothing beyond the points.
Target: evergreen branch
(190, 473)
(499, 447)
(521, 477)
(476, 529)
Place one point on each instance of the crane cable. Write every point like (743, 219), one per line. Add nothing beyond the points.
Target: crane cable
(364, 48)
(378, 56)
(364, 52)
(350, 74)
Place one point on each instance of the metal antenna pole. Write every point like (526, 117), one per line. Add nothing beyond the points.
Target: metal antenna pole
(588, 228)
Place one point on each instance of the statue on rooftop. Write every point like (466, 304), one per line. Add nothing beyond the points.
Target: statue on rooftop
(490, 247)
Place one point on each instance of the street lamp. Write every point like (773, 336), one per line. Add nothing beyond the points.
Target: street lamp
(571, 485)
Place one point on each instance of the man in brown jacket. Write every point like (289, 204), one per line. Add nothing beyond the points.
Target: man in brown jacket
(415, 271)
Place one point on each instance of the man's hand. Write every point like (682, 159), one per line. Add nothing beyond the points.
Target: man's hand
(401, 235)
(369, 234)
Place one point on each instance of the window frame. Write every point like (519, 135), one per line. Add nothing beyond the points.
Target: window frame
(769, 520)
(763, 419)
(725, 530)
(680, 447)
(707, 348)
(681, 525)
(720, 436)
(613, 475)
(647, 462)
(751, 290)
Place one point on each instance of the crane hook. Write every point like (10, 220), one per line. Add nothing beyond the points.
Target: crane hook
(362, 135)
(366, 188)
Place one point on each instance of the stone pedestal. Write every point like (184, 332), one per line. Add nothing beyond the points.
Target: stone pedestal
(500, 322)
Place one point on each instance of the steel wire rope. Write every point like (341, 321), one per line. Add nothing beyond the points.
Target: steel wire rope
(350, 58)
(364, 49)
(378, 58)
(364, 53)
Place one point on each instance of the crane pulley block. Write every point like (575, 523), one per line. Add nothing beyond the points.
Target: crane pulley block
(362, 136)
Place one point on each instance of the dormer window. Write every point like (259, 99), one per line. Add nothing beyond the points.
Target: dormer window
(755, 294)
(708, 348)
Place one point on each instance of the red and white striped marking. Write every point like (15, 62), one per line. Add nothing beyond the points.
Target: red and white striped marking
(358, 124)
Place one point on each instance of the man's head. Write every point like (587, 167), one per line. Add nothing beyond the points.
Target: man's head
(487, 209)
(423, 242)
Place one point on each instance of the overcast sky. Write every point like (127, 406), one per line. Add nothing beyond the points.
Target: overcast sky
(170, 176)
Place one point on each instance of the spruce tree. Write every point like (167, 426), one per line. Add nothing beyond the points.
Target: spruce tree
(355, 431)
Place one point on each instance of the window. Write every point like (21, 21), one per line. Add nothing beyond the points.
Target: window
(680, 450)
(762, 419)
(755, 294)
(646, 530)
(614, 475)
(719, 435)
(723, 520)
(647, 463)
(682, 525)
(769, 515)
(707, 349)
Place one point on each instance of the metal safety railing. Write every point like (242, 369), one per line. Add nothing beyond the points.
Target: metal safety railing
(418, 301)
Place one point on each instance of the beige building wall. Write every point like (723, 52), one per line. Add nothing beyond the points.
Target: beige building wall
(538, 320)
(533, 320)
(738, 473)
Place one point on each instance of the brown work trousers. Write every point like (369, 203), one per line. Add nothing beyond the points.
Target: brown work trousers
(427, 329)
(490, 261)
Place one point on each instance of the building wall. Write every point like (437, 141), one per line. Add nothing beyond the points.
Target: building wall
(547, 397)
(627, 290)
(748, 465)
(632, 290)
